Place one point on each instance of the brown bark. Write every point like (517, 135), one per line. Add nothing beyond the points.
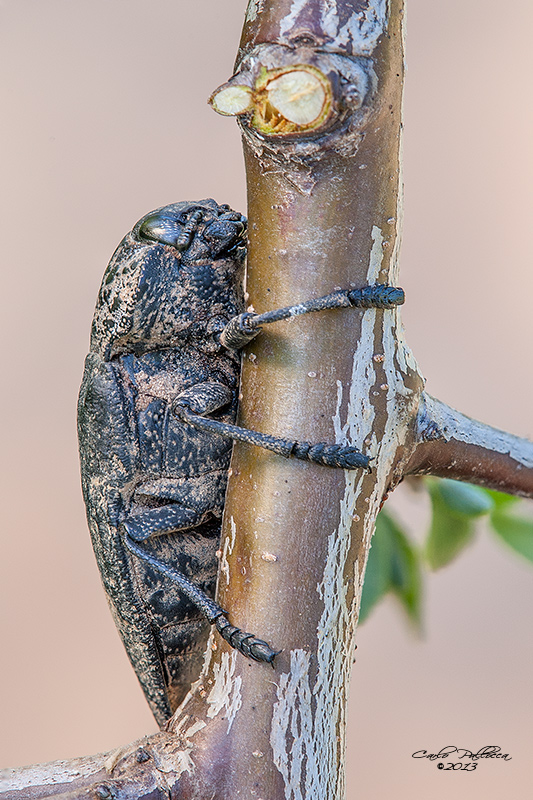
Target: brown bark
(315, 225)
(324, 213)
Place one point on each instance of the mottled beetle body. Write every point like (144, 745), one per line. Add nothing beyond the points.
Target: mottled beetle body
(156, 411)
(153, 337)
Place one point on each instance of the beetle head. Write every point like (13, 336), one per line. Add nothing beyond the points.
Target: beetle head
(180, 267)
(196, 232)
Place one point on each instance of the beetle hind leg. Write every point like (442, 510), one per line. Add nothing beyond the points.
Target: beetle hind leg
(246, 643)
(166, 505)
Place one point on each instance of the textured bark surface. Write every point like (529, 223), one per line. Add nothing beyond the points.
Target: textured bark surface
(296, 536)
(324, 213)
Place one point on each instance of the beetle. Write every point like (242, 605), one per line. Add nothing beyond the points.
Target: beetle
(156, 414)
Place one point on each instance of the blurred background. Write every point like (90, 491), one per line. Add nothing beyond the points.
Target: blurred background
(104, 118)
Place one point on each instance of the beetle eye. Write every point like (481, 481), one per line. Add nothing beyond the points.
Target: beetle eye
(158, 228)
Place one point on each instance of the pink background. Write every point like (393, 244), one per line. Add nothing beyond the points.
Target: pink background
(105, 117)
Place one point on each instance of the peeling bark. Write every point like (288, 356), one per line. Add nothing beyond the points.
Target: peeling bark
(324, 212)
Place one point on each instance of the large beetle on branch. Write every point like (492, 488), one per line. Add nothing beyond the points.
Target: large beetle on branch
(156, 411)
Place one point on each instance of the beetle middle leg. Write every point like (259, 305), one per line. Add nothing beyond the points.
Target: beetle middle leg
(190, 407)
(193, 404)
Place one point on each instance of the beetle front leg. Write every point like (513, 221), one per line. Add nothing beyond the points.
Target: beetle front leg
(243, 329)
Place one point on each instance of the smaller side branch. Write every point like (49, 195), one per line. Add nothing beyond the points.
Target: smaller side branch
(55, 779)
(451, 445)
(142, 770)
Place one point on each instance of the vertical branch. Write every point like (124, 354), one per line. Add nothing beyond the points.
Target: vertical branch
(318, 92)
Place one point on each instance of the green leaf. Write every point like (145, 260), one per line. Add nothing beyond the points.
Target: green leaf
(406, 575)
(450, 532)
(393, 566)
(465, 499)
(502, 500)
(378, 569)
(517, 532)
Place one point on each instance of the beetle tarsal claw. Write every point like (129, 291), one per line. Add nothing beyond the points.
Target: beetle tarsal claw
(331, 455)
(245, 643)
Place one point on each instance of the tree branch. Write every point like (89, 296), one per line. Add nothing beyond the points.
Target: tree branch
(53, 779)
(451, 445)
(324, 213)
(147, 768)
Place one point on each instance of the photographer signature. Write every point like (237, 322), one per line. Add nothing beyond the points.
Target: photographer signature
(490, 751)
(471, 758)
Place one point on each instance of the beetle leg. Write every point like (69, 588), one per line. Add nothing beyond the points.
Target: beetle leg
(156, 521)
(329, 455)
(205, 398)
(241, 330)
(186, 504)
(245, 643)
